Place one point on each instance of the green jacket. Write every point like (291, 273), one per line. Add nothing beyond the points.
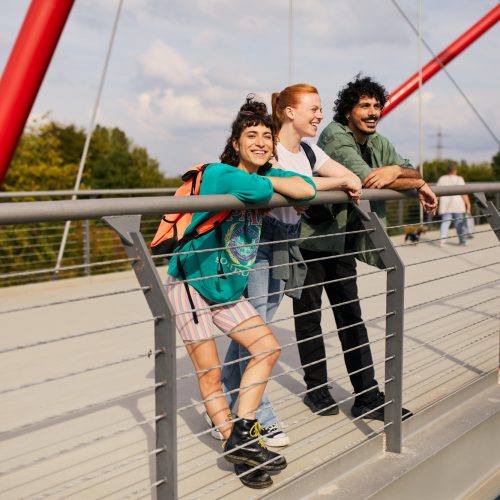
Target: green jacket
(338, 142)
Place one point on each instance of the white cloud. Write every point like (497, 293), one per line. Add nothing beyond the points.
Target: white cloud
(164, 110)
(163, 61)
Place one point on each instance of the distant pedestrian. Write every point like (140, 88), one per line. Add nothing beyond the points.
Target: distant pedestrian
(453, 208)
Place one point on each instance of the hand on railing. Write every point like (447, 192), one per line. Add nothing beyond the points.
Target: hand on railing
(427, 198)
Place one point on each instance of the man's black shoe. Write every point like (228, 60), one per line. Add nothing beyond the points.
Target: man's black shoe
(320, 401)
(257, 479)
(373, 408)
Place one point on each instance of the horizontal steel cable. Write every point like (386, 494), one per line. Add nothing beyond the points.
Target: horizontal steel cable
(450, 295)
(75, 336)
(285, 346)
(304, 420)
(80, 445)
(451, 352)
(90, 476)
(12, 227)
(437, 239)
(302, 287)
(324, 308)
(248, 271)
(264, 243)
(458, 341)
(452, 274)
(273, 377)
(453, 313)
(418, 386)
(34, 245)
(467, 252)
(78, 299)
(67, 268)
(72, 374)
(70, 413)
(432, 222)
(292, 370)
(334, 427)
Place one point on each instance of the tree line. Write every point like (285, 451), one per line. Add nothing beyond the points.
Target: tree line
(49, 153)
(47, 158)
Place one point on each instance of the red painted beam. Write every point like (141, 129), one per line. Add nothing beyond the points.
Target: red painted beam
(448, 54)
(25, 70)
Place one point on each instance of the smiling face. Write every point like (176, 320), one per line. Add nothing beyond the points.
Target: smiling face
(363, 118)
(254, 147)
(307, 115)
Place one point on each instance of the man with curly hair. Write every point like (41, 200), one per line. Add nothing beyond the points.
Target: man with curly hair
(352, 140)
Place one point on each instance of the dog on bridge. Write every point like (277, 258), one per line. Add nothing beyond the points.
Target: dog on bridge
(413, 232)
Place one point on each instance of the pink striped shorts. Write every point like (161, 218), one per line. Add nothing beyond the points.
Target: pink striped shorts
(226, 317)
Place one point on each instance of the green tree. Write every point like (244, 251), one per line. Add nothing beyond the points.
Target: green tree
(495, 166)
(474, 172)
(38, 163)
(48, 156)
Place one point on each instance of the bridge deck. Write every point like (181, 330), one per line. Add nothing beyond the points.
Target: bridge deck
(75, 415)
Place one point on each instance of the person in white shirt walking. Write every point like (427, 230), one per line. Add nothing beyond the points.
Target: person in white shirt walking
(453, 208)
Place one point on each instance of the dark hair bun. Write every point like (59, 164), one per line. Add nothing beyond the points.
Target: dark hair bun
(253, 107)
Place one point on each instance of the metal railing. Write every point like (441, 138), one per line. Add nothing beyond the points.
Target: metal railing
(115, 214)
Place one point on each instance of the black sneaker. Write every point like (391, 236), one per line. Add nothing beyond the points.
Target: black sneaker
(320, 401)
(373, 408)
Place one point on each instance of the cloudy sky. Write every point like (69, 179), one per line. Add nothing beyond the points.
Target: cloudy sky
(181, 68)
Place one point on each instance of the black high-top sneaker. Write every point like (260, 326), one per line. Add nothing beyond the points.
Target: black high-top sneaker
(246, 447)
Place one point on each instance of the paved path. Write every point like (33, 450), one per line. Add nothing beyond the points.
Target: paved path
(75, 415)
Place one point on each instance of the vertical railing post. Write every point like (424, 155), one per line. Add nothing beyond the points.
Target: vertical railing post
(86, 246)
(128, 228)
(489, 211)
(393, 326)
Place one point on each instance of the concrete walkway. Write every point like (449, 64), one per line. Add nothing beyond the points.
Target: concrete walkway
(76, 415)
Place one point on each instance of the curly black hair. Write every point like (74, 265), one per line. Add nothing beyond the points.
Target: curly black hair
(252, 113)
(348, 97)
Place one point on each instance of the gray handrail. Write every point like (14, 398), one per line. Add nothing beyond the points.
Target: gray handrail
(86, 192)
(45, 211)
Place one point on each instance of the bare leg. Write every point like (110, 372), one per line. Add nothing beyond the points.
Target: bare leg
(257, 338)
(204, 356)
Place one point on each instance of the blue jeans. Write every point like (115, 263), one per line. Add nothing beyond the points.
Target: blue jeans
(459, 226)
(260, 284)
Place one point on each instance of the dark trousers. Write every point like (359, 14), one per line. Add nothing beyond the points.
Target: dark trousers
(309, 325)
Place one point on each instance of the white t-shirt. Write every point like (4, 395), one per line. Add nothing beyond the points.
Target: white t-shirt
(299, 163)
(451, 204)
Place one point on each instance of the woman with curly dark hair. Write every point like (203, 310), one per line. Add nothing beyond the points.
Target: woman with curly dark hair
(216, 266)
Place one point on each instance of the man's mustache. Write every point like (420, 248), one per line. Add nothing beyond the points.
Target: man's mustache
(371, 117)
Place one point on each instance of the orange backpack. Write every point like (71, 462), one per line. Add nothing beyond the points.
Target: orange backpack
(170, 233)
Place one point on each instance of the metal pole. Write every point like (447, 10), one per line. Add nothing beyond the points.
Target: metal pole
(489, 211)
(454, 49)
(86, 245)
(290, 40)
(394, 325)
(420, 126)
(25, 70)
(128, 228)
(90, 129)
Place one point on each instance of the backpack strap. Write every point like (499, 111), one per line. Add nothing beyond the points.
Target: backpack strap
(308, 150)
(188, 292)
